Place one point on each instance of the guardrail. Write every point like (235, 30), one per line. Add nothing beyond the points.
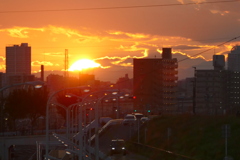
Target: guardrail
(109, 123)
(88, 148)
(86, 129)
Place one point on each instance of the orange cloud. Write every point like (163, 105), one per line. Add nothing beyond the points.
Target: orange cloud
(20, 32)
(105, 67)
(133, 47)
(76, 35)
(222, 13)
(2, 67)
(131, 35)
(193, 57)
(195, 1)
(127, 64)
(38, 63)
(2, 58)
(54, 54)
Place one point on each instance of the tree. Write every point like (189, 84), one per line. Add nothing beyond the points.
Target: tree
(26, 104)
(15, 106)
(37, 104)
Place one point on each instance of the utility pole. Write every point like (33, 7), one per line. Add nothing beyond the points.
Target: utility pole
(66, 75)
(194, 91)
(226, 134)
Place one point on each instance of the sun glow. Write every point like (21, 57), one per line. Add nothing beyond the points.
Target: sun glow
(83, 64)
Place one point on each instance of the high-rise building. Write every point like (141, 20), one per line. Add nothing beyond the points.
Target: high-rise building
(233, 87)
(234, 59)
(18, 59)
(211, 91)
(125, 83)
(217, 90)
(155, 83)
(18, 64)
(219, 62)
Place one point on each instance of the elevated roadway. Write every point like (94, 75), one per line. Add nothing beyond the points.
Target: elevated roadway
(6, 142)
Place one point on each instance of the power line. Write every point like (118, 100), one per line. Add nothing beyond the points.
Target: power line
(211, 48)
(123, 7)
(188, 58)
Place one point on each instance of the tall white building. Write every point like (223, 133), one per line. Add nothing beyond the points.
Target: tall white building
(234, 59)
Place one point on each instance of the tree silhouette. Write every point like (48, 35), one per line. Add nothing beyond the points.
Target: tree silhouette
(26, 104)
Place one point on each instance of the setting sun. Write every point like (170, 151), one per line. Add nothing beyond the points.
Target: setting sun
(83, 64)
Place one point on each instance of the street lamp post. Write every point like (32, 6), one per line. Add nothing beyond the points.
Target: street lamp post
(80, 112)
(97, 126)
(67, 117)
(86, 89)
(80, 128)
(116, 98)
(96, 119)
(73, 116)
(194, 92)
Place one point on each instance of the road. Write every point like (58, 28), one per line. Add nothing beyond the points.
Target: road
(20, 142)
(23, 152)
(121, 132)
(129, 157)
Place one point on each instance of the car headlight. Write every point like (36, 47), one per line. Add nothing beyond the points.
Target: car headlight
(123, 148)
(113, 148)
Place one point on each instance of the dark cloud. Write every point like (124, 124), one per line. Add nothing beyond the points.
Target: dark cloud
(154, 54)
(185, 47)
(107, 61)
(128, 60)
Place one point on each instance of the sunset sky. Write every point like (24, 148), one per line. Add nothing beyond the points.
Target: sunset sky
(113, 32)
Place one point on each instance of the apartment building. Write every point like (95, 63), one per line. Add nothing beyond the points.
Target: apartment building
(155, 83)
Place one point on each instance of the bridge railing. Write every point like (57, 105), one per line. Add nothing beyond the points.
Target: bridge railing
(108, 124)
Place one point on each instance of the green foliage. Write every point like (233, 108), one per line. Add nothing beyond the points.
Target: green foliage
(196, 136)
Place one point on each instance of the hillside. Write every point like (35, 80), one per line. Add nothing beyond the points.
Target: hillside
(195, 136)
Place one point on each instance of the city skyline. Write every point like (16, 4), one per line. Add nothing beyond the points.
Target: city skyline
(113, 33)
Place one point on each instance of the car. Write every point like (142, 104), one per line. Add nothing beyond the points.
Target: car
(129, 119)
(144, 119)
(117, 147)
(138, 115)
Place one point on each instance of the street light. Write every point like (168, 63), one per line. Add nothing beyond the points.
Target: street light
(96, 119)
(116, 98)
(84, 88)
(194, 92)
(82, 104)
(67, 117)
(97, 126)
(36, 84)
